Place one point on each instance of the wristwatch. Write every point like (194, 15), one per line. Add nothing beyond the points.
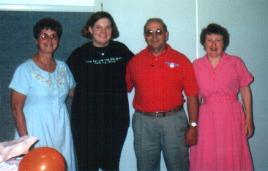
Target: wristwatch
(193, 124)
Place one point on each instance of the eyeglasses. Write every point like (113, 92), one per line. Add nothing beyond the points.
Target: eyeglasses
(157, 32)
(45, 36)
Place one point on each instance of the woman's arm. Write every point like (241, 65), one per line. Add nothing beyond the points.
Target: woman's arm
(71, 92)
(247, 106)
(17, 103)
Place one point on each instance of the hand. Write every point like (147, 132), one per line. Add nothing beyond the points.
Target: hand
(249, 128)
(191, 136)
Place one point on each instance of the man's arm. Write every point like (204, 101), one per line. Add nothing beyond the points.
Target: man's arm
(191, 132)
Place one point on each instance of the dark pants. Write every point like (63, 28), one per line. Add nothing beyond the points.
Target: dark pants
(100, 147)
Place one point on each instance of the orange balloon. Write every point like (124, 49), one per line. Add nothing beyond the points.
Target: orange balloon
(43, 159)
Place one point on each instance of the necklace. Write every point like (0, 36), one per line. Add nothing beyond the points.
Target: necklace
(101, 51)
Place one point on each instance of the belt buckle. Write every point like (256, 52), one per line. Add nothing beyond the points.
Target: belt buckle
(160, 114)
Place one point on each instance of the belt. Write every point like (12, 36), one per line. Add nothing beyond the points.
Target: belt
(220, 99)
(161, 113)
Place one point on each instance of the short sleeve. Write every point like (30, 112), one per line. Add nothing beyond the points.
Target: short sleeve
(244, 76)
(72, 63)
(189, 80)
(21, 79)
(126, 52)
(70, 78)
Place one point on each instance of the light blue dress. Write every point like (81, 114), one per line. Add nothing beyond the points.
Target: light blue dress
(45, 109)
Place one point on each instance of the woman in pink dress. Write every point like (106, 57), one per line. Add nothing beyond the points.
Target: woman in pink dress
(225, 122)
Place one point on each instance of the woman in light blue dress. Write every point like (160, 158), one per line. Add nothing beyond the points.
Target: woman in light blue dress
(39, 89)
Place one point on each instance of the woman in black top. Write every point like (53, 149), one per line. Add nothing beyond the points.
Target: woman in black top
(100, 113)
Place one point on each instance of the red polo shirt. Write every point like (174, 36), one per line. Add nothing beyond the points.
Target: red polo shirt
(160, 80)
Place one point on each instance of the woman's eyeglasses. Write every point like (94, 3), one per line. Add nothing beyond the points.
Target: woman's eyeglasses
(45, 36)
(157, 32)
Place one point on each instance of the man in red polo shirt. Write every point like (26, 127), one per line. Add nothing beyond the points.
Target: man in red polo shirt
(160, 75)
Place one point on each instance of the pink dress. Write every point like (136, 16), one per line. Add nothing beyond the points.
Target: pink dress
(222, 143)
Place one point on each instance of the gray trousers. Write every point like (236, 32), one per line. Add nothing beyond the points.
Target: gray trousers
(153, 135)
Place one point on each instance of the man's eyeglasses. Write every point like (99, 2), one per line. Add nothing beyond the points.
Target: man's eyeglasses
(157, 32)
(45, 36)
